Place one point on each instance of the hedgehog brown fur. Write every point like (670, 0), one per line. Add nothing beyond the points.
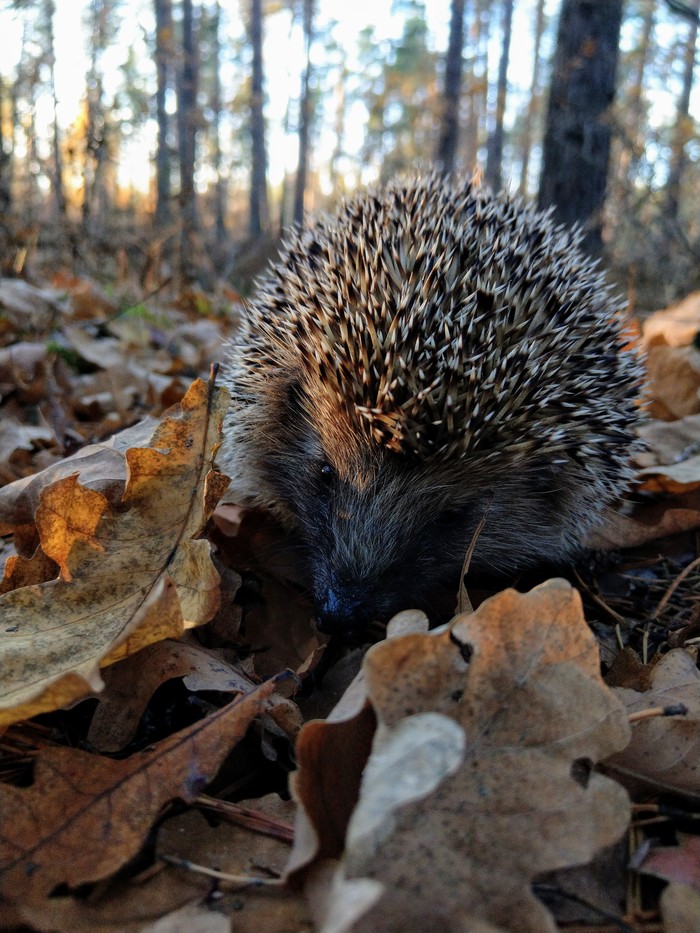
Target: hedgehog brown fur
(430, 354)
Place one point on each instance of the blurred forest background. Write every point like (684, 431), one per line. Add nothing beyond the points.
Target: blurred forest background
(171, 141)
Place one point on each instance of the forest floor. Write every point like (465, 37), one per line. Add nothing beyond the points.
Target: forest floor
(181, 750)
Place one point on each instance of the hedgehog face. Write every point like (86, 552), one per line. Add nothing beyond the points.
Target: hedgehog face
(383, 531)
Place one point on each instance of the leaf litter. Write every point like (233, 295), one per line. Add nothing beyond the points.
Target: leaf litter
(459, 768)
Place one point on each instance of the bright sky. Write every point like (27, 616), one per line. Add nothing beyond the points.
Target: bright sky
(283, 54)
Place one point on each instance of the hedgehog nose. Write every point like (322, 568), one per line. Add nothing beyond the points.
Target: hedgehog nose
(338, 613)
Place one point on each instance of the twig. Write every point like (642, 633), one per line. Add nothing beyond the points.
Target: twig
(677, 709)
(673, 587)
(598, 600)
(247, 818)
(243, 880)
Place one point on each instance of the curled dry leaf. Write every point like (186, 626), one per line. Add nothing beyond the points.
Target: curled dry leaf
(101, 467)
(131, 683)
(479, 776)
(130, 574)
(669, 441)
(665, 751)
(85, 816)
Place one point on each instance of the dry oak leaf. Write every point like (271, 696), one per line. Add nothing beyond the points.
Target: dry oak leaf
(122, 906)
(86, 815)
(479, 776)
(664, 751)
(129, 575)
(102, 467)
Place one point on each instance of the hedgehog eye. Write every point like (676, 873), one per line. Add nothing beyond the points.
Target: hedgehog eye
(327, 473)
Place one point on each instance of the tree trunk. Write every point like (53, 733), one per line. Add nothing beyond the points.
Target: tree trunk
(187, 139)
(494, 157)
(336, 181)
(57, 174)
(629, 150)
(576, 149)
(477, 85)
(93, 169)
(304, 117)
(449, 130)
(683, 129)
(259, 220)
(533, 99)
(164, 64)
(220, 184)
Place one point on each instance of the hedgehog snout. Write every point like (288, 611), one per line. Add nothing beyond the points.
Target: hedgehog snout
(339, 610)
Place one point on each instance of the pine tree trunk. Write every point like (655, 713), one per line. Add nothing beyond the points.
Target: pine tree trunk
(164, 63)
(683, 129)
(95, 201)
(304, 118)
(259, 220)
(629, 150)
(494, 157)
(532, 100)
(220, 185)
(57, 179)
(449, 130)
(477, 84)
(576, 148)
(187, 138)
(335, 179)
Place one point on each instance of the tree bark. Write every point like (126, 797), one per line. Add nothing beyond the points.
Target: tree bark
(220, 184)
(494, 157)
(57, 173)
(478, 84)
(187, 139)
(259, 219)
(93, 173)
(164, 64)
(683, 129)
(576, 148)
(304, 117)
(532, 100)
(449, 130)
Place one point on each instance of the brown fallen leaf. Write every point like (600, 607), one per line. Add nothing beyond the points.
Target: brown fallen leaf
(125, 907)
(664, 751)
(674, 378)
(30, 308)
(479, 776)
(85, 816)
(130, 574)
(102, 467)
(131, 683)
(676, 325)
(647, 523)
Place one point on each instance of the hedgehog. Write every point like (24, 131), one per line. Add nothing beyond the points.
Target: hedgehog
(431, 361)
